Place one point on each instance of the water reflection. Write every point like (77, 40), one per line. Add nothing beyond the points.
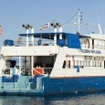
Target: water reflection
(86, 99)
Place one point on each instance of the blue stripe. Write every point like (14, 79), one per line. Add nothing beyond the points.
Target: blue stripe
(70, 85)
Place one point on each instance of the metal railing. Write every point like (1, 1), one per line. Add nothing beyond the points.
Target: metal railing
(34, 43)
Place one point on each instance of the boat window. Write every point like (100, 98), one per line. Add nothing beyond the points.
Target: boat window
(100, 64)
(97, 64)
(69, 64)
(64, 63)
(92, 43)
(11, 63)
(83, 63)
(88, 63)
(92, 63)
(80, 63)
(77, 62)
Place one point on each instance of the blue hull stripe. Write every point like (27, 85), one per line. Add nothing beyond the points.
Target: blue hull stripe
(51, 86)
(70, 85)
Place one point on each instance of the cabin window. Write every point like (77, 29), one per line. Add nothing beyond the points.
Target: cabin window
(92, 43)
(92, 63)
(77, 62)
(85, 62)
(104, 64)
(100, 64)
(64, 63)
(97, 45)
(80, 63)
(11, 63)
(101, 44)
(88, 63)
(69, 64)
(97, 64)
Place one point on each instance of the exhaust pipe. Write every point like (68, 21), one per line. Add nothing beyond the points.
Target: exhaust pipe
(27, 32)
(60, 30)
(32, 32)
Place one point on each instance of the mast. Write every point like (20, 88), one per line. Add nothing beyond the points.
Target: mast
(79, 20)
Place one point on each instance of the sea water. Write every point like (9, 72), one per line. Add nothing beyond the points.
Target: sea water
(81, 99)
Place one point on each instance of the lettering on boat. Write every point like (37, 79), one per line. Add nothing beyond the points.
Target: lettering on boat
(90, 51)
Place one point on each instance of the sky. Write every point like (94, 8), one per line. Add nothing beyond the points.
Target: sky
(14, 13)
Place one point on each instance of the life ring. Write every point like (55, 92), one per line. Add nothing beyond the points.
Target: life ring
(19, 40)
(85, 40)
(39, 42)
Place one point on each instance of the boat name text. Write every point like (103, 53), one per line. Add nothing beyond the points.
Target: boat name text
(90, 51)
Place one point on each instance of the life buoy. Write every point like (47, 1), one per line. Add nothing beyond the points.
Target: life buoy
(85, 40)
(39, 42)
(19, 40)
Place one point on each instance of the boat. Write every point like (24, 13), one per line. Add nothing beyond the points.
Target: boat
(40, 64)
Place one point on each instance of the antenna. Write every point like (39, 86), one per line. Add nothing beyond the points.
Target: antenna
(78, 23)
(99, 26)
(96, 12)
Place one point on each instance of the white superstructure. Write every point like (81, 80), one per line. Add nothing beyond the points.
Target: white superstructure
(59, 54)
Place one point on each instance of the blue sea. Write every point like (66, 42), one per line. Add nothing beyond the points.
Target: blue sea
(81, 99)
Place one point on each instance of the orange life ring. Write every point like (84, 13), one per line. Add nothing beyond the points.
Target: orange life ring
(85, 40)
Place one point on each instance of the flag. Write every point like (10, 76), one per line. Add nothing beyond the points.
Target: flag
(45, 26)
(1, 30)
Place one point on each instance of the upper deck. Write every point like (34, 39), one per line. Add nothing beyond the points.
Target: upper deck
(49, 43)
